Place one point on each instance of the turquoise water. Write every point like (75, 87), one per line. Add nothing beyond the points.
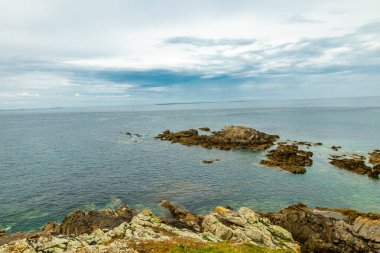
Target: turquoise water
(55, 161)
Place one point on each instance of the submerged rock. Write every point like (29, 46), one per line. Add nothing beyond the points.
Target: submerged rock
(329, 230)
(355, 164)
(289, 158)
(231, 137)
(210, 161)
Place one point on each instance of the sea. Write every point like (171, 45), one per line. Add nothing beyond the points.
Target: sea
(55, 161)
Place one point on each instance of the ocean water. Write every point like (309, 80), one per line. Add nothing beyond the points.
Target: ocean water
(55, 161)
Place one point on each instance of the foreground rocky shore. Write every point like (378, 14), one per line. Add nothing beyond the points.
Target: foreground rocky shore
(292, 229)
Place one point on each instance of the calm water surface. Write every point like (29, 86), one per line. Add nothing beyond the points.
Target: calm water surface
(55, 161)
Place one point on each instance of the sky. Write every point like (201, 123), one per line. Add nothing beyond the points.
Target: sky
(71, 53)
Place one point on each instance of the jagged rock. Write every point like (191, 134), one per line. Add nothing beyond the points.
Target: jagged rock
(51, 228)
(245, 225)
(289, 158)
(181, 217)
(375, 157)
(355, 164)
(231, 137)
(328, 230)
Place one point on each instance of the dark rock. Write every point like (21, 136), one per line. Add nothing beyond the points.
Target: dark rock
(289, 158)
(336, 148)
(181, 218)
(306, 143)
(79, 222)
(328, 230)
(206, 129)
(2, 232)
(355, 164)
(210, 161)
(231, 137)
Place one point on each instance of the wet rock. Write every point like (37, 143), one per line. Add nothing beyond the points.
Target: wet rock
(355, 164)
(374, 157)
(206, 129)
(289, 158)
(79, 222)
(321, 231)
(210, 161)
(336, 148)
(2, 232)
(231, 137)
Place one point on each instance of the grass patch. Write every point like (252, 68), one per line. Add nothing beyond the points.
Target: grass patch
(181, 245)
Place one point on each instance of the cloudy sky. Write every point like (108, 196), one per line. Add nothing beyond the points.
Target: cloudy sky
(120, 52)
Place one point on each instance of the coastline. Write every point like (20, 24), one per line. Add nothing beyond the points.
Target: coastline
(293, 229)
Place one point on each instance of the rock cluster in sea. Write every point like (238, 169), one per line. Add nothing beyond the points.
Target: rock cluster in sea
(289, 158)
(357, 164)
(82, 232)
(231, 137)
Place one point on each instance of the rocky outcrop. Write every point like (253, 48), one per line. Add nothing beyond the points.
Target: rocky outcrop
(182, 218)
(243, 226)
(329, 230)
(289, 158)
(355, 164)
(79, 222)
(374, 157)
(231, 137)
(206, 129)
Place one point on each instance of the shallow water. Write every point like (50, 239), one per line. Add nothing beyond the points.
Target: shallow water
(55, 161)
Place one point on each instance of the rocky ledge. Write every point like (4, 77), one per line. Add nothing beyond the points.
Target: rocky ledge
(330, 230)
(293, 229)
(144, 232)
(357, 164)
(231, 137)
(289, 158)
